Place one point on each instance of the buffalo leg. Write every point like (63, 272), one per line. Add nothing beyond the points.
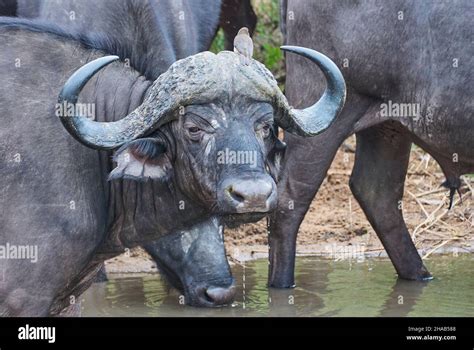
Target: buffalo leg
(306, 163)
(300, 181)
(377, 182)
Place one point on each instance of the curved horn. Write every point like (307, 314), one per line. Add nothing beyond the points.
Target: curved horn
(318, 117)
(75, 124)
(93, 134)
(189, 80)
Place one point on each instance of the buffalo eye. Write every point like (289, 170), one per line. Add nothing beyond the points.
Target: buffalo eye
(194, 133)
(266, 130)
(194, 130)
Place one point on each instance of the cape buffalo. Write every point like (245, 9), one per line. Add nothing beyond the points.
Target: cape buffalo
(194, 148)
(153, 34)
(399, 52)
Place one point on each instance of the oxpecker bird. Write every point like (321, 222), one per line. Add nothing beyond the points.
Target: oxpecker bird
(243, 45)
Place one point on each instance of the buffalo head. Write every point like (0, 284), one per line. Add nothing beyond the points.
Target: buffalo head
(208, 126)
(211, 123)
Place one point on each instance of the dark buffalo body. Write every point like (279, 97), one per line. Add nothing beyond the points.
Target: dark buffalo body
(93, 16)
(79, 206)
(152, 35)
(8, 7)
(391, 53)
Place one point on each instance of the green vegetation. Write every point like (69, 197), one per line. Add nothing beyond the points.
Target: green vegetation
(218, 43)
(267, 37)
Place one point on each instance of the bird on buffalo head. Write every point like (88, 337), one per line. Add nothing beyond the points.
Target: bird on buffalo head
(243, 45)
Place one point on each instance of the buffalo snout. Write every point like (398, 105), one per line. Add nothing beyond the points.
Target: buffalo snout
(213, 296)
(248, 195)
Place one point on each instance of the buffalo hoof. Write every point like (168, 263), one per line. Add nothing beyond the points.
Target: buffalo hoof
(421, 275)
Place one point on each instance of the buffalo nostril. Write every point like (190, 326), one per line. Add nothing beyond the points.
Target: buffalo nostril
(235, 195)
(221, 296)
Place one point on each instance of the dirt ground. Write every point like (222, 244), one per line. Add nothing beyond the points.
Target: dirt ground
(335, 222)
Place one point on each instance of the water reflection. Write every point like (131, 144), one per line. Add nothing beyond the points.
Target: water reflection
(325, 288)
(403, 297)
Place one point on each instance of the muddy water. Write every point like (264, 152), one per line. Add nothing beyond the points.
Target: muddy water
(325, 288)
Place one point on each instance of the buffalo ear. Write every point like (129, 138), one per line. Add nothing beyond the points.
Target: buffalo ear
(140, 160)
